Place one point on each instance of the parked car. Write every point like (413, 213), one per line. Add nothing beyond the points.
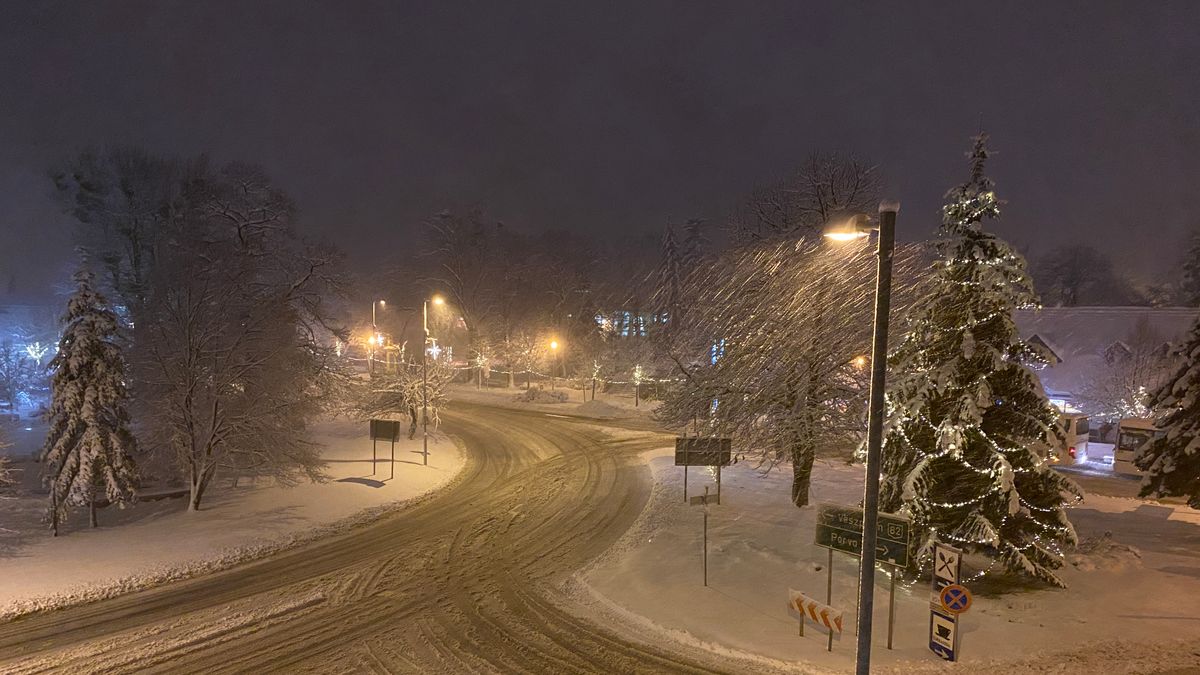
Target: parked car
(1132, 432)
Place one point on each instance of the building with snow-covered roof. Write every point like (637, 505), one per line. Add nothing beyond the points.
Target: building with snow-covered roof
(1085, 342)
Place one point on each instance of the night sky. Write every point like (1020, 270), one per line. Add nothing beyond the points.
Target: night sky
(613, 118)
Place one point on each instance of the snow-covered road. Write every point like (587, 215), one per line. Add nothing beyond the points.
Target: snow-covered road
(469, 579)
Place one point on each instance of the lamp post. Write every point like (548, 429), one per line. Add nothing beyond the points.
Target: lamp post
(553, 357)
(437, 300)
(373, 339)
(856, 228)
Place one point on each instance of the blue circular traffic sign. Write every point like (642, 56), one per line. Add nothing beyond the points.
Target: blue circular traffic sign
(955, 598)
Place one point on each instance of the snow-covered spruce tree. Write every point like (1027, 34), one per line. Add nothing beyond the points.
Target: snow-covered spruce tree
(1172, 462)
(1189, 289)
(89, 446)
(967, 416)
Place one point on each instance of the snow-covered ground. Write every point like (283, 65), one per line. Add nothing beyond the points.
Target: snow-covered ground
(157, 541)
(1129, 594)
(606, 406)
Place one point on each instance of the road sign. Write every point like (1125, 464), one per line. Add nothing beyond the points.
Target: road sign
(703, 451)
(947, 563)
(385, 430)
(704, 499)
(943, 624)
(841, 528)
(955, 598)
(943, 635)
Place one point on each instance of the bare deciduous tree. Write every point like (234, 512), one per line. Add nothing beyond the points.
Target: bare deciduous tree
(825, 186)
(773, 350)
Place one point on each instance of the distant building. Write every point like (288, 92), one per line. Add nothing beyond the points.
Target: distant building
(1084, 342)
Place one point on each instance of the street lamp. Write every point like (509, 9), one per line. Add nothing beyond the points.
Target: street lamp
(438, 301)
(554, 355)
(374, 329)
(858, 227)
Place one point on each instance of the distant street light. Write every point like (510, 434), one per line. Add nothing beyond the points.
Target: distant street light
(858, 227)
(437, 300)
(371, 340)
(554, 352)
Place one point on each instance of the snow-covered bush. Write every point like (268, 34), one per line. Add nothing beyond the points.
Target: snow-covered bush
(540, 395)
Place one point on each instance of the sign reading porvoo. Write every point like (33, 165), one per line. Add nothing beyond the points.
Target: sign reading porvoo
(841, 528)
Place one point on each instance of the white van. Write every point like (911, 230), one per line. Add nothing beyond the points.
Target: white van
(1073, 447)
(1131, 433)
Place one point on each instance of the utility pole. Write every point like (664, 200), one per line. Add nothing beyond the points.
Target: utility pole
(883, 300)
(425, 385)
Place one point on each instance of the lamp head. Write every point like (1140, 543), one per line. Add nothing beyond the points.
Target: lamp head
(856, 226)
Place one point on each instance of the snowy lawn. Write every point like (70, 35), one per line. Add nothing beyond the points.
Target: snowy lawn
(1129, 595)
(606, 406)
(159, 540)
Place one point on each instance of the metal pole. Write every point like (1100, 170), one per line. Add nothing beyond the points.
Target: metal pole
(829, 596)
(685, 467)
(425, 386)
(891, 607)
(705, 535)
(718, 485)
(373, 460)
(866, 570)
(392, 473)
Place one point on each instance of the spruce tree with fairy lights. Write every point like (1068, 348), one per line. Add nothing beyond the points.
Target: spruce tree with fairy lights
(965, 450)
(1171, 462)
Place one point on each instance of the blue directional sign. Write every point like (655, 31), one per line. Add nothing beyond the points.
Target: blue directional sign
(943, 634)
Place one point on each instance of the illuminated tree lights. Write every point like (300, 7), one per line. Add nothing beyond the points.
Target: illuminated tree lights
(966, 412)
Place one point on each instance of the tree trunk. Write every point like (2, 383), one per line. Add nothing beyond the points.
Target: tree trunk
(412, 427)
(199, 485)
(92, 509)
(802, 464)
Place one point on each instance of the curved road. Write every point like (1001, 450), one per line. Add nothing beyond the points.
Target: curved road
(465, 581)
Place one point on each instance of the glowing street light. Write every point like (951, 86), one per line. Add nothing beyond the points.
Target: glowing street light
(857, 227)
(438, 301)
(373, 339)
(554, 351)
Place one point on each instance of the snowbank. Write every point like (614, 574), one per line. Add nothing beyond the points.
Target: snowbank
(159, 541)
(606, 406)
(1125, 587)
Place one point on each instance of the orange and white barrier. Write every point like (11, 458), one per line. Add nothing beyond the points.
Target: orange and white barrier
(801, 606)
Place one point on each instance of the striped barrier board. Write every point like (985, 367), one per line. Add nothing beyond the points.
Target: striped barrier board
(803, 606)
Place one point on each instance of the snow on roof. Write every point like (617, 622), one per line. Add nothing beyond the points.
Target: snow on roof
(1079, 336)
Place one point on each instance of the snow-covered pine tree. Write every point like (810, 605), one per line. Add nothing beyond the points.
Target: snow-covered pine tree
(88, 448)
(1189, 287)
(668, 283)
(1172, 462)
(967, 416)
(695, 244)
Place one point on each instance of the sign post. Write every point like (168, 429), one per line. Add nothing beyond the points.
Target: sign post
(716, 452)
(949, 598)
(384, 430)
(840, 528)
(704, 500)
